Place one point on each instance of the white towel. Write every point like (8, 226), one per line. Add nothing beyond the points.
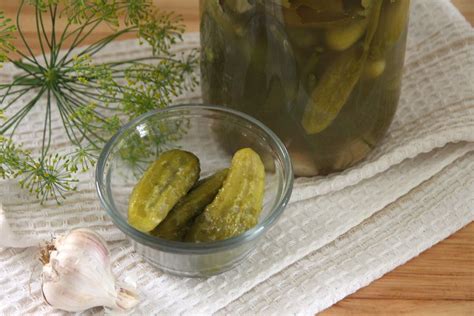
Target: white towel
(339, 232)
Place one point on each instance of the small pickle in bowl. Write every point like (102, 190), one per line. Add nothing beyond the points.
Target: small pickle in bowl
(170, 201)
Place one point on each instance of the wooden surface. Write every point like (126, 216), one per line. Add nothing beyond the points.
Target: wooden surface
(438, 282)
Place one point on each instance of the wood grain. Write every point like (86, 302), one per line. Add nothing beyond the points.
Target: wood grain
(466, 7)
(438, 282)
(390, 307)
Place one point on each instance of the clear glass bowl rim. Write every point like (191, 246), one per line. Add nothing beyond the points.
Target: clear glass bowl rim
(183, 247)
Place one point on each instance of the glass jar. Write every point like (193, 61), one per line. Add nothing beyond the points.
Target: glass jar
(325, 75)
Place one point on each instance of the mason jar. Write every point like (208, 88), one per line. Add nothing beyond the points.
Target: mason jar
(325, 75)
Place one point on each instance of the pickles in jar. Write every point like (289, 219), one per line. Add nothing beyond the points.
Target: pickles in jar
(238, 204)
(303, 67)
(338, 81)
(162, 185)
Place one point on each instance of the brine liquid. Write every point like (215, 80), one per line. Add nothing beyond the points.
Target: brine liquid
(323, 75)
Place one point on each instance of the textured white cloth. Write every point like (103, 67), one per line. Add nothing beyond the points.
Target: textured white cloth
(338, 234)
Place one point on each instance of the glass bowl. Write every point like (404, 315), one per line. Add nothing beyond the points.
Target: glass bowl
(213, 134)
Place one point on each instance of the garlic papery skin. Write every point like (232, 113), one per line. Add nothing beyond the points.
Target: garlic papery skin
(78, 275)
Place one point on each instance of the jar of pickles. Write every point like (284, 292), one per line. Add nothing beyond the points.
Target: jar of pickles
(324, 75)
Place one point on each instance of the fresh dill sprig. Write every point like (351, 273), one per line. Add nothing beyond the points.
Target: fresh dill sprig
(6, 35)
(92, 99)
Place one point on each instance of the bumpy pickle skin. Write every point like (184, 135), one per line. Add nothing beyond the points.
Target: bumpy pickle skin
(336, 84)
(179, 219)
(162, 185)
(238, 204)
(393, 21)
(332, 91)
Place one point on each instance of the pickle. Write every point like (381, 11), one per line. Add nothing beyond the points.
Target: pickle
(228, 26)
(392, 23)
(322, 14)
(177, 223)
(303, 37)
(286, 52)
(212, 57)
(164, 183)
(332, 91)
(393, 20)
(238, 204)
(343, 37)
(338, 81)
(305, 16)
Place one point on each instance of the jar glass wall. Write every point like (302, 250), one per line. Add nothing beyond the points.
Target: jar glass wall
(324, 75)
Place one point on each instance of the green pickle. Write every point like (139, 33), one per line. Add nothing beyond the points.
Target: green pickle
(337, 83)
(162, 185)
(179, 219)
(319, 73)
(238, 205)
(332, 92)
(343, 37)
(392, 23)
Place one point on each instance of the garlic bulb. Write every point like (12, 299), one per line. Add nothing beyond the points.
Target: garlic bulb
(77, 274)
